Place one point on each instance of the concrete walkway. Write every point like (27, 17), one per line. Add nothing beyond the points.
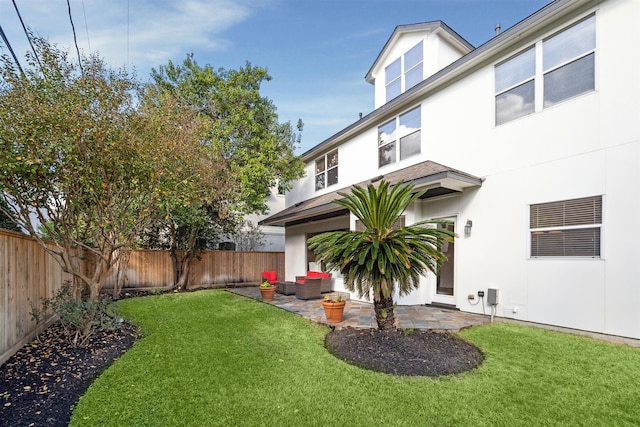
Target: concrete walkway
(360, 315)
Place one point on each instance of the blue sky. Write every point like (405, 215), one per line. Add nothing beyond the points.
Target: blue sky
(317, 51)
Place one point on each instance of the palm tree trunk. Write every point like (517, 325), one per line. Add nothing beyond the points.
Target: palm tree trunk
(384, 313)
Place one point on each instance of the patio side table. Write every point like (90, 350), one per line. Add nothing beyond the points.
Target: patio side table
(286, 288)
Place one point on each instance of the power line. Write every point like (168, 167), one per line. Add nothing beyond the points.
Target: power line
(26, 33)
(75, 40)
(6, 42)
(86, 26)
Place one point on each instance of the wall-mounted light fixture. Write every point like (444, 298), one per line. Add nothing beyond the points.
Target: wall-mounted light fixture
(467, 228)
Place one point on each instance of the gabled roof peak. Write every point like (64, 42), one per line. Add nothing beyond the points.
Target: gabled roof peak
(431, 27)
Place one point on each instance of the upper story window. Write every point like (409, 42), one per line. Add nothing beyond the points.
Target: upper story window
(515, 87)
(568, 228)
(404, 73)
(567, 70)
(399, 138)
(327, 170)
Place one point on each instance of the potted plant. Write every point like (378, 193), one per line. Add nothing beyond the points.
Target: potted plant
(267, 290)
(333, 308)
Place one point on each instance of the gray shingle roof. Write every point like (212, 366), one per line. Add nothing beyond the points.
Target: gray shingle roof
(439, 179)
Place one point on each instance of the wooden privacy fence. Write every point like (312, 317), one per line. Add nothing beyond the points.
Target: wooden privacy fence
(28, 274)
(153, 269)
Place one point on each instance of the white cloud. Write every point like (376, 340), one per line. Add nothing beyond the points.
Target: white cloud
(140, 33)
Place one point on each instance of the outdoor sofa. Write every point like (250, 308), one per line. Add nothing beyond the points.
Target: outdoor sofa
(326, 279)
(308, 287)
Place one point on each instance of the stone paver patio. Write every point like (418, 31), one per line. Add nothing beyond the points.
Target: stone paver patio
(360, 315)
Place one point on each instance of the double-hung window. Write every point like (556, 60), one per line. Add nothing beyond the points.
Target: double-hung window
(515, 87)
(399, 138)
(327, 170)
(566, 69)
(568, 228)
(404, 73)
(568, 61)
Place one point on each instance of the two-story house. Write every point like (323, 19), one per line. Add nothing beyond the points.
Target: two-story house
(529, 144)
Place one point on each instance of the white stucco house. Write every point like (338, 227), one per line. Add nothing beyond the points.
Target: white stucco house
(529, 143)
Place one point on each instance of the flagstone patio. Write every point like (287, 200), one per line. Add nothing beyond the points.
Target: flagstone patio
(360, 315)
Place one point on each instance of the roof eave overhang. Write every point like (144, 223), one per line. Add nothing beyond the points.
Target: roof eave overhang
(328, 210)
(489, 51)
(446, 182)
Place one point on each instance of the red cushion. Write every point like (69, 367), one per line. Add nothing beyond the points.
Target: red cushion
(269, 276)
(318, 274)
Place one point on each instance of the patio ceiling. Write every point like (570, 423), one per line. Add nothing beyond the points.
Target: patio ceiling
(437, 179)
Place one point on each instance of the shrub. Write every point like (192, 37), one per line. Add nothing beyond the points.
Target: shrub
(79, 317)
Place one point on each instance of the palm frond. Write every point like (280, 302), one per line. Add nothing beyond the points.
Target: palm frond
(377, 259)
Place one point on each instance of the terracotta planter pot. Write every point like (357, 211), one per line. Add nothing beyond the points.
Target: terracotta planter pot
(267, 293)
(333, 311)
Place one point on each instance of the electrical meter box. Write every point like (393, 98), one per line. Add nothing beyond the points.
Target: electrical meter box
(492, 296)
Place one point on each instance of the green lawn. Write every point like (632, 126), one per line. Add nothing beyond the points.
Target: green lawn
(212, 358)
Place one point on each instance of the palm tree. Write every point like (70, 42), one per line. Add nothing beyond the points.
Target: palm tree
(382, 257)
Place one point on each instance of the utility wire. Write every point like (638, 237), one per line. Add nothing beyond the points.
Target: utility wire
(26, 33)
(75, 40)
(6, 42)
(86, 26)
(127, 33)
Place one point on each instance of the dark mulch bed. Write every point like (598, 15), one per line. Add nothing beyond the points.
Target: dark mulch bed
(404, 353)
(41, 382)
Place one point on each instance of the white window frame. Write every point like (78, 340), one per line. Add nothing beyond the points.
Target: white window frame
(559, 219)
(398, 134)
(324, 172)
(401, 78)
(541, 72)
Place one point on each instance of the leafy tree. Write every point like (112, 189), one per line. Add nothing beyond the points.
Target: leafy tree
(78, 160)
(7, 220)
(381, 257)
(243, 153)
(250, 236)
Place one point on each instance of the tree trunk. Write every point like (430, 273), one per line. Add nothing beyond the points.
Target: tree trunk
(184, 273)
(182, 261)
(384, 313)
(121, 272)
(181, 267)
